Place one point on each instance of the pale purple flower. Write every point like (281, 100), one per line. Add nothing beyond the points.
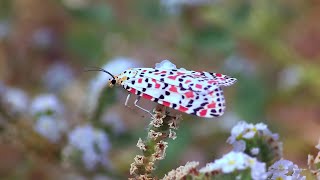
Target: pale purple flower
(244, 131)
(113, 119)
(290, 77)
(237, 161)
(4, 29)
(285, 169)
(16, 99)
(43, 37)
(92, 143)
(174, 6)
(50, 128)
(255, 151)
(58, 76)
(46, 103)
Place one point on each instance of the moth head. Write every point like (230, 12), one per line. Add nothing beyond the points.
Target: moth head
(111, 82)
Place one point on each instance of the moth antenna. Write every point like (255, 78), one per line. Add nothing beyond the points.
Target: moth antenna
(99, 69)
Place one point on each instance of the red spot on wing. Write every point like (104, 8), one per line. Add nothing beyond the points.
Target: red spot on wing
(212, 105)
(173, 88)
(219, 75)
(212, 81)
(199, 86)
(165, 103)
(188, 81)
(140, 80)
(157, 86)
(163, 72)
(189, 94)
(153, 80)
(146, 96)
(144, 70)
(133, 91)
(182, 108)
(203, 112)
(180, 73)
(172, 77)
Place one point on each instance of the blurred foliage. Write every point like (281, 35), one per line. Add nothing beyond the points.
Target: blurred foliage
(260, 42)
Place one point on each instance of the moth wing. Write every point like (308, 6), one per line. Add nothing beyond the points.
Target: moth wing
(202, 82)
(179, 98)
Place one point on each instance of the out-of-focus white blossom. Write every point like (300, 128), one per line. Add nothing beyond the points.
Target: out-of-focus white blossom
(93, 144)
(241, 65)
(234, 161)
(165, 64)
(4, 29)
(44, 103)
(174, 6)
(114, 120)
(290, 77)
(58, 76)
(76, 4)
(243, 133)
(43, 37)
(285, 169)
(114, 66)
(248, 131)
(228, 120)
(239, 146)
(255, 151)
(16, 99)
(50, 127)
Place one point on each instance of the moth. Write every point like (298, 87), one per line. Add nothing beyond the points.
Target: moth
(193, 92)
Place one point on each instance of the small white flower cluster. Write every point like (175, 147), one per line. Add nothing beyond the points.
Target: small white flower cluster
(46, 103)
(174, 6)
(48, 113)
(244, 131)
(114, 66)
(16, 99)
(285, 169)
(91, 143)
(234, 161)
(57, 77)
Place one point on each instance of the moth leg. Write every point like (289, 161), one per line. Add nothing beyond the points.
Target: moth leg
(136, 104)
(126, 104)
(127, 100)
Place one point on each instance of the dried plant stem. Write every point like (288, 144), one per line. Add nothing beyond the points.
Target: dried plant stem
(154, 146)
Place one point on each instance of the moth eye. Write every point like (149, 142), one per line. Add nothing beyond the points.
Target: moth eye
(113, 81)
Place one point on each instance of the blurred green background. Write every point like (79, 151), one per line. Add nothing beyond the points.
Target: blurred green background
(271, 47)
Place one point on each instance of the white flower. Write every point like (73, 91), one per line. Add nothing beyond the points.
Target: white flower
(46, 103)
(290, 77)
(4, 29)
(16, 99)
(92, 143)
(234, 161)
(285, 169)
(258, 171)
(248, 131)
(174, 6)
(50, 128)
(255, 151)
(58, 76)
(165, 64)
(239, 146)
(238, 64)
(114, 66)
(114, 120)
(43, 37)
